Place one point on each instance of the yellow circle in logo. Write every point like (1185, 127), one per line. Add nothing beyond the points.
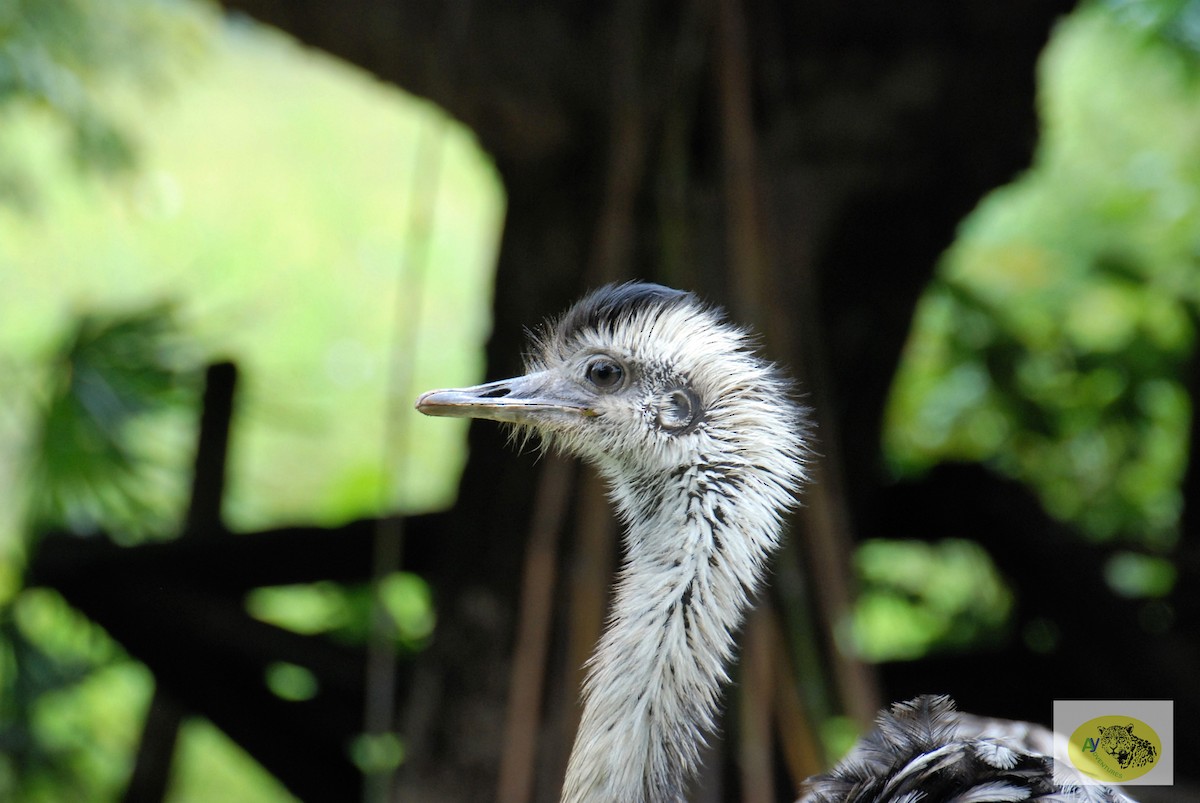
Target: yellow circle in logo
(1114, 748)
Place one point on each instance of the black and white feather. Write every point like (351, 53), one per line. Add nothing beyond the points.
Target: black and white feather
(924, 751)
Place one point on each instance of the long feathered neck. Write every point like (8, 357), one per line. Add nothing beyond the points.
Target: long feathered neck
(697, 542)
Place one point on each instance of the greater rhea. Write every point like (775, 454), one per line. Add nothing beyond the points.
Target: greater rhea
(704, 449)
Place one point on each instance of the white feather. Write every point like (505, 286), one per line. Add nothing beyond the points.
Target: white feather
(995, 753)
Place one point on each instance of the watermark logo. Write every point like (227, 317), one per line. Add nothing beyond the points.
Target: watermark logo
(1114, 742)
(1114, 748)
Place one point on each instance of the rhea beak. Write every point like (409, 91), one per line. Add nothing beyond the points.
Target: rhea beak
(535, 399)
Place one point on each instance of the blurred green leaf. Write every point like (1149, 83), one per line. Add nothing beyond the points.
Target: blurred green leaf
(344, 612)
(291, 682)
(917, 598)
(1175, 23)
(1053, 342)
(409, 601)
(66, 60)
(1134, 575)
(307, 609)
(93, 463)
(69, 703)
(377, 752)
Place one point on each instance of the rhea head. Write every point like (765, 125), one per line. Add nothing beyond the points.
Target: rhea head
(639, 378)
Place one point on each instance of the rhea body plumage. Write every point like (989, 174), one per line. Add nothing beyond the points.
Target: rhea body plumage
(924, 751)
(704, 449)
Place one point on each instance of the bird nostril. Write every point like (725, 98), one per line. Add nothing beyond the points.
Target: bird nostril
(496, 393)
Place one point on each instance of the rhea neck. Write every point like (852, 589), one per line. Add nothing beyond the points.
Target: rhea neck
(696, 544)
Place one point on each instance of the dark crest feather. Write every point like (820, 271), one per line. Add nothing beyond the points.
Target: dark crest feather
(606, 305)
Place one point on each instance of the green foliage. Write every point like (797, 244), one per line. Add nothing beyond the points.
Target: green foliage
(291, 682)
(1140, 576)
(344, 612)
(271, 210)
(917, 595)
(1175, 23)
(118, 386)
(377, 752)
(69, 703)
(209, 767)
(64, 58)
(69, 699)
(1053, 342)
(264, 221)
(307, 609)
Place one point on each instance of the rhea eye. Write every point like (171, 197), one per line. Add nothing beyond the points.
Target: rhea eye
(678, 411)
(605, 373)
